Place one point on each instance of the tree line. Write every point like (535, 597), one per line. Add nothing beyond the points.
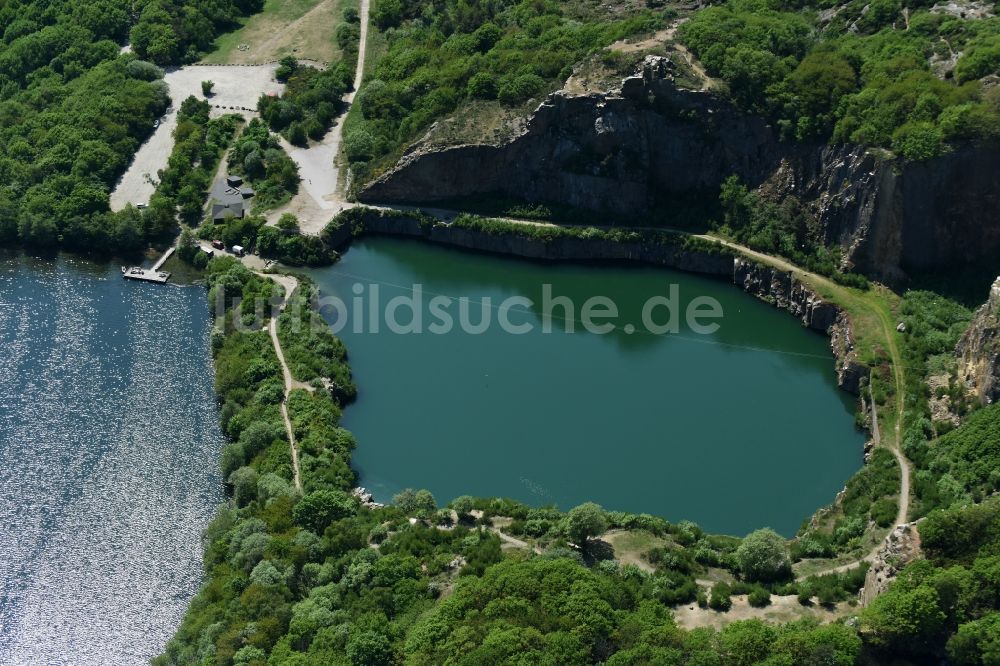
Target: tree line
(73, 111)
(863, 74)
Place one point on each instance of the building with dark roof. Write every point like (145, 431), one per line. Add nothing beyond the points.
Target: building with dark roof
(229, 197)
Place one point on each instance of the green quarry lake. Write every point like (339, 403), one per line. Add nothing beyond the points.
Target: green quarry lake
(735, 430)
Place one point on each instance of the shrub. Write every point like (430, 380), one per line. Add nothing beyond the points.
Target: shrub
(759, 597)
(316, 510)
(719, 598)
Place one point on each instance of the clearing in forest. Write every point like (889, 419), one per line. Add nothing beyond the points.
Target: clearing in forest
(305, 29)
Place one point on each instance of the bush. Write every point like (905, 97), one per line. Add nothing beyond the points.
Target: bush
(719, 599)
(144, 71)
(884, 511)
(315, 511)
(759, 597)
(585, 521)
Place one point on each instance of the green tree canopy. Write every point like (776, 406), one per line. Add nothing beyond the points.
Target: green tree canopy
(585, 521)
(763, 556)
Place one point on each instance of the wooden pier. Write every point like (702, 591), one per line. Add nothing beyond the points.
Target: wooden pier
(145, 275)
(162, 260)
(153, 274)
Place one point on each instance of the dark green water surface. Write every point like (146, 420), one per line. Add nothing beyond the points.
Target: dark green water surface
(735, 430)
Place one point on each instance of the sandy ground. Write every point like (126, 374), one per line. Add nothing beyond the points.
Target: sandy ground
(781, 609)
(235, 86)
(319, 197)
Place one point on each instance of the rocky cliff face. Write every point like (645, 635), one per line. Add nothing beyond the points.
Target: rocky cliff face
(901, 547)
(531, 247)
(979, 350)
(785, 292)
(619, 151)
(637, 148)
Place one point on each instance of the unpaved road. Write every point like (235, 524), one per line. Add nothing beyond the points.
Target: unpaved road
(319, 197)
(235, 86)
(289, 283)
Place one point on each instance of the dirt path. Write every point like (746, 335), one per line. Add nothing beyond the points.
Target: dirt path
(895, 444)
(888, 330)
(289, 284)
(320, 198)
(517, 543)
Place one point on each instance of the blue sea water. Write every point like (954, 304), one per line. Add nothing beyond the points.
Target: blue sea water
(109, 448)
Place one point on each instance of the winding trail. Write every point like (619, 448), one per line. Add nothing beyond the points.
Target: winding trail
(888, 331)
(289, 284)
(517, 543)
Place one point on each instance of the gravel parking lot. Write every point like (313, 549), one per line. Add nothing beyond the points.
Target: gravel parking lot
(237, 86)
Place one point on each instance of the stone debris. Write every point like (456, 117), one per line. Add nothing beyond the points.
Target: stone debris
(979, 350)
(366, 498)
(901, 546)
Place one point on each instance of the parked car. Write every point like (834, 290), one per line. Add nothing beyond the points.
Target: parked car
(218, 245)
(238, 250)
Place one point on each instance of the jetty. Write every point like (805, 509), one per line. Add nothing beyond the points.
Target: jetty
(162, 260)
(153, 274)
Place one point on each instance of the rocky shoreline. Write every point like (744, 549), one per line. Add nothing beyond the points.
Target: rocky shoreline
(776, 287)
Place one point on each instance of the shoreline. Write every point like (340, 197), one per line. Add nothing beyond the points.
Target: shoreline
(646, 248)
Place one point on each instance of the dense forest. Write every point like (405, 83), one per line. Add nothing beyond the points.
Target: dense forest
(74, 109)
(855, 72)
(440, 54)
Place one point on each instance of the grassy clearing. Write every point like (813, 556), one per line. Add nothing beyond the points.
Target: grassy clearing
(480, 121)
(630, 546)
(301, 28)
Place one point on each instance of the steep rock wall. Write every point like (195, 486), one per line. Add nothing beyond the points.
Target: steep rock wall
(783, 291)
(617, 152)
(901, 546)
(637, 148)
(555, 249)
(979, 350)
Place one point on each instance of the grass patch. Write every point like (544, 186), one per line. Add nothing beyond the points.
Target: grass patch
(300, 28)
